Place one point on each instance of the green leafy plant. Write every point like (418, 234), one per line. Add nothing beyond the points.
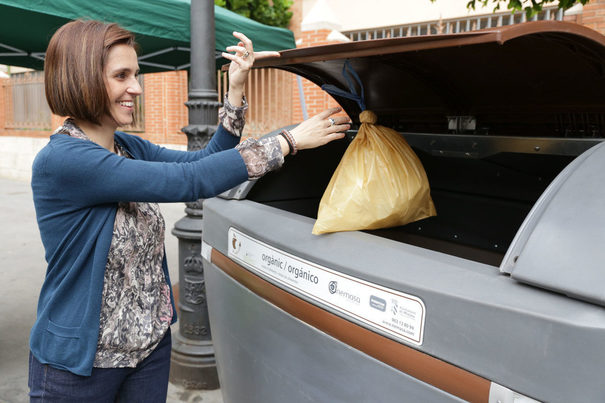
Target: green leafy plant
(531, 7)
(275, 13)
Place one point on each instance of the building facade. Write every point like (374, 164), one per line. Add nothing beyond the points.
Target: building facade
(276, 98)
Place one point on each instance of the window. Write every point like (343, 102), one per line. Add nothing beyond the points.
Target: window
(25, 105)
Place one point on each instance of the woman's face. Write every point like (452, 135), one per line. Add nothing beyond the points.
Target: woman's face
(120, 73)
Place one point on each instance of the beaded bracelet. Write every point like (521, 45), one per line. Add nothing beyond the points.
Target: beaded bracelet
(290, 140)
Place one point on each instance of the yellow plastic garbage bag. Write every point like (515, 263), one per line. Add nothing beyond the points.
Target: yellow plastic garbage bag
(379, 183)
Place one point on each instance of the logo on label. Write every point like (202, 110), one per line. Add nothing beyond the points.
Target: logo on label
(343, 293)
(394, 307)
(332, 286)
(378, 303)
(236, 244)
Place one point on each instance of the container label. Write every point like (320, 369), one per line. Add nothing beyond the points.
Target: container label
(393, 313)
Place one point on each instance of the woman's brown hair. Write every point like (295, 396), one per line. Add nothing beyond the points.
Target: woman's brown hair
(73, 68)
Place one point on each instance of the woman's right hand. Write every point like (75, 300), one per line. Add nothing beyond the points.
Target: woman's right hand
(320, 129)
(242, 59)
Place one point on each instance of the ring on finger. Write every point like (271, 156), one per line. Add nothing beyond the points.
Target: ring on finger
(332, 121)
(246, 54)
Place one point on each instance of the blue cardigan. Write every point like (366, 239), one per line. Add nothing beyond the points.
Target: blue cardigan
(76, 186)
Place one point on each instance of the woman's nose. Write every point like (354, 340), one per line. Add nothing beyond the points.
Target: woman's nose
(134, 87)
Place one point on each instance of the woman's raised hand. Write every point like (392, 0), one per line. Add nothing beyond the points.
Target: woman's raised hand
(320, 129)
(242, 59)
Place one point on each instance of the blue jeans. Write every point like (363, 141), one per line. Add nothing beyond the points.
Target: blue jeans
(147, 382)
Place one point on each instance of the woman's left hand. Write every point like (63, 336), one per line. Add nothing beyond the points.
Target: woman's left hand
(242, 59)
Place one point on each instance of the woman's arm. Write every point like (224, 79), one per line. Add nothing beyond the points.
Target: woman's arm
(221, 140)
(92, 175)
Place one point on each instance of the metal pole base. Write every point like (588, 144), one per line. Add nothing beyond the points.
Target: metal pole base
(192, 364)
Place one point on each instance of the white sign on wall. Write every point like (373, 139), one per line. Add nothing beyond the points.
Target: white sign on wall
(392, 312)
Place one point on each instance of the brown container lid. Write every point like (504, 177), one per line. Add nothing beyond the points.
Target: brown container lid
(533, 79)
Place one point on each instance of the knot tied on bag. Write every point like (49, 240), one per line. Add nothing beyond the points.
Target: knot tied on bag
(368, 117)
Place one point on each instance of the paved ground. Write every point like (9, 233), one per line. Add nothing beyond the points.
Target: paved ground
(22, 268)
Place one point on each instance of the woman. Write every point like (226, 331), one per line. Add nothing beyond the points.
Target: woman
(102, 331)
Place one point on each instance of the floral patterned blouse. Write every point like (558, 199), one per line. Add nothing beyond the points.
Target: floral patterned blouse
(135, 310)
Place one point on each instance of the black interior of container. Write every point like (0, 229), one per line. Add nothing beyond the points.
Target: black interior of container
(544, 84)
(480, 203)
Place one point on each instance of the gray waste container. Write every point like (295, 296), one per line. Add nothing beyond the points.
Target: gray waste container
(499, 297)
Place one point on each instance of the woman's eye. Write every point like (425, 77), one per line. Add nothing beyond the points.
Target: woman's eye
(121, 75)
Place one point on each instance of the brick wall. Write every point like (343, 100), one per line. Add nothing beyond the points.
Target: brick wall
(593, 15)
(165, 110)
(3, 101)
(165, 95)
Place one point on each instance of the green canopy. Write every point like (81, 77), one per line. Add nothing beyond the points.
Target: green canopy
(162, 29)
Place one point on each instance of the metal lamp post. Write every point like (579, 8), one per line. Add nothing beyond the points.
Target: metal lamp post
(193, 364)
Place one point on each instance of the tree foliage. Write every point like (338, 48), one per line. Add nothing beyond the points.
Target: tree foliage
(530, 7)
(276, 14)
